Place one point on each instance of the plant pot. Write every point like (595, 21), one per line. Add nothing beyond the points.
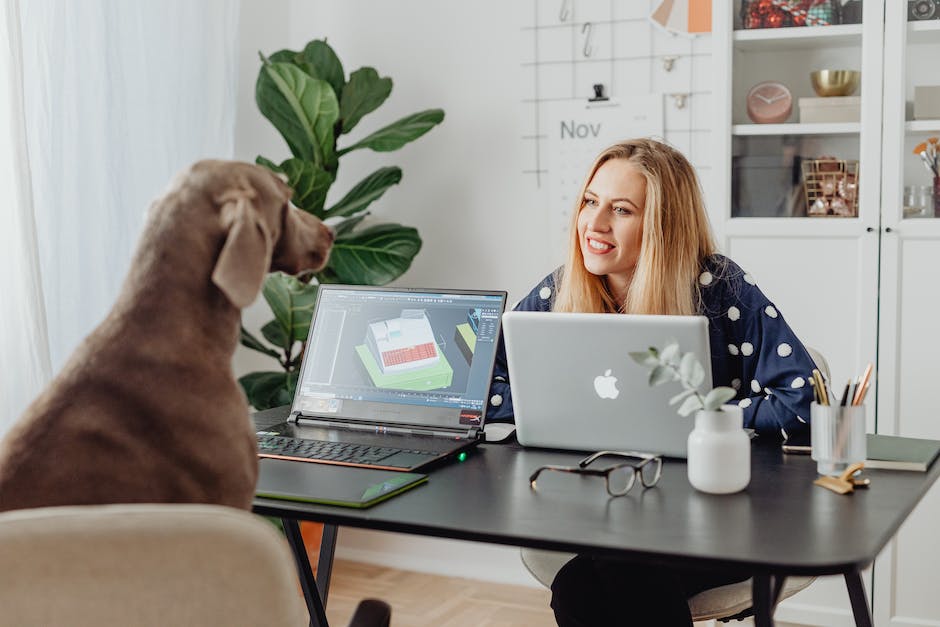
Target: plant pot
(719, 451)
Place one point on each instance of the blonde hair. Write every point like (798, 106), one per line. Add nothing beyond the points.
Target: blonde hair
(676, 239)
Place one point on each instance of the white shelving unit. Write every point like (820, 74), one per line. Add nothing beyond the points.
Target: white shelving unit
(858, 289)
(821, 271)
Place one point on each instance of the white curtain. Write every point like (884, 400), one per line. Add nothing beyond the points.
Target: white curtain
(119, 97)
(24, 347)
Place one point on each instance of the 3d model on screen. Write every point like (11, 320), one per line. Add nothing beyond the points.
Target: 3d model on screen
(465, 334)
(401, 353)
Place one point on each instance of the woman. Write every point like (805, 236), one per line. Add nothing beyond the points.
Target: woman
(641, 244)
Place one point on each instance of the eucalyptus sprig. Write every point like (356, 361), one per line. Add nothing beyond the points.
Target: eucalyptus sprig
(671, 364)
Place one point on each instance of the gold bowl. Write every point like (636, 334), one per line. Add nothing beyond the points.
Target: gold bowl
(835, 82)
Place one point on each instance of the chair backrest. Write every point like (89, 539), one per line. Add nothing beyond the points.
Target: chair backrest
(821, 364)
(143, 565)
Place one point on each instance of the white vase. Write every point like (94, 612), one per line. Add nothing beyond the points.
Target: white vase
(719, 451)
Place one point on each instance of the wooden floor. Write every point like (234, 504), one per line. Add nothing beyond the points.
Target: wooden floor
(423, 600)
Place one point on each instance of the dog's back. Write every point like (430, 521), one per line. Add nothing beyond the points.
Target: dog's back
(147, 409)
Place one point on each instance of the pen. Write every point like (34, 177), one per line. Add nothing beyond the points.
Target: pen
(862, 385)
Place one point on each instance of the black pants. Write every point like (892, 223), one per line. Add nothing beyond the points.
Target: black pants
(591, 591)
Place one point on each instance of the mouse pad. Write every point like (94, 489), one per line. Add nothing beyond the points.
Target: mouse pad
(344, 486)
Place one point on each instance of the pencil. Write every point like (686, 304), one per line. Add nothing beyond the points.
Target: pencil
(862, 384)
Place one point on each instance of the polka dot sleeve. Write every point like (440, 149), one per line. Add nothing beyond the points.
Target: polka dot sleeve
(499, 408)
(771, 365)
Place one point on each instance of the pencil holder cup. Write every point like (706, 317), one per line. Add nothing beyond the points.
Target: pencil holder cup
(838, 436)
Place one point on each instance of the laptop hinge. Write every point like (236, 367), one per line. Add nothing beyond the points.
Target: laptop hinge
(317, 421)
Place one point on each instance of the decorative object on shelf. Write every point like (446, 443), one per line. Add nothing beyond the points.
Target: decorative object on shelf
(719, 450)
(851, 12)
(683, 17)
(918, 201)
(926, 102)
(923, 10)
(769, 102)
(831, 187)
(929, 153)
(828, 83)
(783, 13)
(833, 110)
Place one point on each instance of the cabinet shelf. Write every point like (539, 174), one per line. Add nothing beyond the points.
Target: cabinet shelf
(848, 128)
(922, 126)
(925, 32)
(798, 37)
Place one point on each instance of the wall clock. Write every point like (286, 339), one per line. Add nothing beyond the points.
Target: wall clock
(769, 102)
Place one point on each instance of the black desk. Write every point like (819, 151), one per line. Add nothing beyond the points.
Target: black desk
(780, 525)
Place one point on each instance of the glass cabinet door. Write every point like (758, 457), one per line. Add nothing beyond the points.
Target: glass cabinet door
(796, 103)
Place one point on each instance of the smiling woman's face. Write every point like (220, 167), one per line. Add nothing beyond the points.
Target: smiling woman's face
(610, 223)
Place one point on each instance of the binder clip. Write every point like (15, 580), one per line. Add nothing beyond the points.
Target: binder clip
(846, 482)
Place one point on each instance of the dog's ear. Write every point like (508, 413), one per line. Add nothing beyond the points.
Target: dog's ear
(242, 264)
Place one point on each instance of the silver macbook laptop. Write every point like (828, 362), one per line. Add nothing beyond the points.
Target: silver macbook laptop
(574, 385)
(392, 378)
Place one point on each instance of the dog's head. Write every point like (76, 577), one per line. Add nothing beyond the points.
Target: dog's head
(262, 230)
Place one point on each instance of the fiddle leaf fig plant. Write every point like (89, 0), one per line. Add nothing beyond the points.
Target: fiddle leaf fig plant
(671, 364)
(313, 105)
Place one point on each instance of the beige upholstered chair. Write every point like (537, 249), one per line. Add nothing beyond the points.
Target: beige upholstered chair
(148, 565)
(722, 603)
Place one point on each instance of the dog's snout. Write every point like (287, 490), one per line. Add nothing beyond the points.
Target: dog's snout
(329, 233)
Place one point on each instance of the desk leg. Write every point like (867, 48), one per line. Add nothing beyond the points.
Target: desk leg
(853, 581)
(761, 600)
(307, 581)
(325, 560)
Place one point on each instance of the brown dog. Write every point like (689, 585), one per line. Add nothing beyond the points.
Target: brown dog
(147, 409)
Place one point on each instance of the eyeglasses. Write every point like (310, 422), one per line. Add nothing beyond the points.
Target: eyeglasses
(619, 477)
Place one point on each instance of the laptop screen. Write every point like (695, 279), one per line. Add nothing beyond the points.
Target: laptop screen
(400, 356)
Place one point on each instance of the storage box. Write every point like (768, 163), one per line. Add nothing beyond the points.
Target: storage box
(832, 109)
(927, 102)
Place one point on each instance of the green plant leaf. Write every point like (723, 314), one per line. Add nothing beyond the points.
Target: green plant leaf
(644, 358)
(342, 228)
(691, 404)
(373, 256)
(366, 191)
(264, 161)
(364, 93)
(285, 56)
(397, 134)
(302, 109)
(310, 185)
(267, 389)
(669, 353)
(660, 374)
(275, 333)
(681, 395)
(718, 397)
(250, 341)
(292, 303)
(322, 62)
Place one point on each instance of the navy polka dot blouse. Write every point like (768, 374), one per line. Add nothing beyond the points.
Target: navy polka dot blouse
(753, 350)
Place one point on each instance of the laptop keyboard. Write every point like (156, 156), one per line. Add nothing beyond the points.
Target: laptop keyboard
(339, 452)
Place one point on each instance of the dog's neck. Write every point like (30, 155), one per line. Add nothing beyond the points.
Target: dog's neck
(169, 285)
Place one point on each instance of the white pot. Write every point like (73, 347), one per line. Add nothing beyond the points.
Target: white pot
(719, 451)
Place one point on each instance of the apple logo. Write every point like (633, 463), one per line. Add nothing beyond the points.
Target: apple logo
(606, 386)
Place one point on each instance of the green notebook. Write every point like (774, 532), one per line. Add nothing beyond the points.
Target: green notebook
(897, 453)
(328, 484)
